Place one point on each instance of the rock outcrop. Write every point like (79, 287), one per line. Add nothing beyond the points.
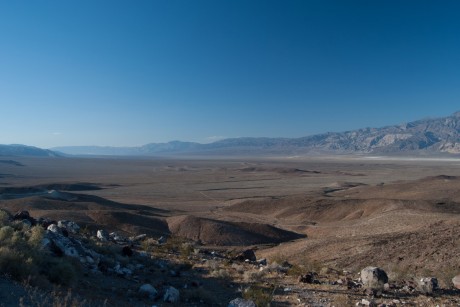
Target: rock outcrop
(374, 278)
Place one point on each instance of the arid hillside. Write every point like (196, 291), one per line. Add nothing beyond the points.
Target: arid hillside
(343, 213)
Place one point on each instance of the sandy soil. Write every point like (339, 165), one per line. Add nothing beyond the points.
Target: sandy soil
(343, 212)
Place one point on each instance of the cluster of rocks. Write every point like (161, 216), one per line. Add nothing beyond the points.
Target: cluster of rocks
(171, 294)
(62, 239)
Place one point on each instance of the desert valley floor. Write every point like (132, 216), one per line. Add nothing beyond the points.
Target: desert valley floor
(344, 212)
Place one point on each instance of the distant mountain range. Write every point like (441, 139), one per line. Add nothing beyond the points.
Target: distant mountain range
(426, 136)
(422, 137)
(25, 151)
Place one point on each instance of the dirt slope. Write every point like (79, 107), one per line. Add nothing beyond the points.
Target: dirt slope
(216, 232)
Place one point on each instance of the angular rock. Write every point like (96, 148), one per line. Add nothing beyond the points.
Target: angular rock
(102, 235)
(116, 237)
(54, 229)
(365, 302)
(148, 290)
(59, 244)
(456, 281)
(172, 295)
(262, 262)
(374, 278)
(239, 302)
(427, 285)
(246, 255)
(70, 226)
(309, 278)
(45, 222)
(21, 215)
(118, 269)
(24, 215)
(138, 238)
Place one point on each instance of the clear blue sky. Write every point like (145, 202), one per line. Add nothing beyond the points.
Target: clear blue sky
(134, 72)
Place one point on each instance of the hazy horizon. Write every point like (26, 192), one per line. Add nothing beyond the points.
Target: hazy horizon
(112, 73)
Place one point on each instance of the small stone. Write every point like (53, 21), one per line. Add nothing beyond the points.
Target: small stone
(138, 238)
(172, 295)
(239, 302)
(54, 229)
(456, 281)
(427, 285)
(262, 262)
(148, 290)
(102, 235)
(365, 302)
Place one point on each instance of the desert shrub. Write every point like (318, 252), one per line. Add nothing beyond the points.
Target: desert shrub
(309, 265)
(19, 226)
(238, 268)
(254, 276)
(221, 273)
(22, 258)
(212, 265)
(296, 270)
(445, 275)
(37, 297)
(261, 296)
(149, 244)
(62, 271)
(399, 272)
(86, 231)
(36, 236)
(12, 264)
(174, 243)
(4, 218)
(186, 249)
(6, 233)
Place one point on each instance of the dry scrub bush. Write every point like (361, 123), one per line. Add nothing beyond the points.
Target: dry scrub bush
(149, 245)
(212, 265)
(38, 298)
(445, 275)
(4, 218)
(261, 296)
(240, 269)
(399, 272)
(220, 273)
(254, 276)
(22, 256)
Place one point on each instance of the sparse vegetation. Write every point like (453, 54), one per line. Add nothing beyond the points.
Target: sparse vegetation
(261, 295)
(23, 258)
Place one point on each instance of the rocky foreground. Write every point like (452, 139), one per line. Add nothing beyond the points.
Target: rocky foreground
(45, 263)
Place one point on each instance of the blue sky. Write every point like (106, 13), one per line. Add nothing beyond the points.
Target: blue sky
(126, 73)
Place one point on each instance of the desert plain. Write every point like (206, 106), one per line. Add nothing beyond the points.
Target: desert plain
(338, 212)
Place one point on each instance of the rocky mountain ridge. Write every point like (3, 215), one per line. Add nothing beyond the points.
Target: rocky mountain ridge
(26, 151)
(430, 136)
